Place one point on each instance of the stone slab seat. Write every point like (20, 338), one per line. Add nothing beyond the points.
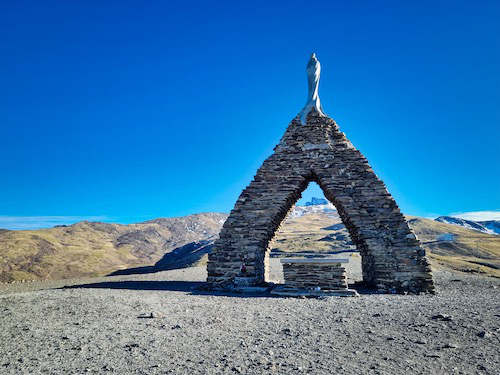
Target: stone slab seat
(284, 291)
(312, 261)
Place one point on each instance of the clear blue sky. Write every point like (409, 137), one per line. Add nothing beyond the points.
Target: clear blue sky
(130, 110)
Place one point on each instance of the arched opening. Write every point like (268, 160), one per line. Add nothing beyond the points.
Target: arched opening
(391, 256)
(312, 229)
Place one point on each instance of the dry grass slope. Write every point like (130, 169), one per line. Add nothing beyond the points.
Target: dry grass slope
(448, 246)
(315, 232)
(95, 249)
(458, 248)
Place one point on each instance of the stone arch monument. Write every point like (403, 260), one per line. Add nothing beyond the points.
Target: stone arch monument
(314, 149)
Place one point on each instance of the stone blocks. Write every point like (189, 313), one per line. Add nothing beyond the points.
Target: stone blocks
(324, 274)
(392, 259)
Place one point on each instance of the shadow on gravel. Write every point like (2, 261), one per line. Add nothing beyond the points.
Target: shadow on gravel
(135, 271)
(192, 287)
(181, 257)
(362, 288)
(174, 286)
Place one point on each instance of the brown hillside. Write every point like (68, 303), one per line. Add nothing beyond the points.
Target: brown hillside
(449, 246)
(458, 248)
(90, 249)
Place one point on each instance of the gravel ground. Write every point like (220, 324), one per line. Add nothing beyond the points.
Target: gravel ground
(157, 323)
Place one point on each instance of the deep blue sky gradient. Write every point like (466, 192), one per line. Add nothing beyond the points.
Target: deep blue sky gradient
(136, 110)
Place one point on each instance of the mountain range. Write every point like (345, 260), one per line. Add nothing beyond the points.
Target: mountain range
(93, 248)
(488, 226)
(88, 249)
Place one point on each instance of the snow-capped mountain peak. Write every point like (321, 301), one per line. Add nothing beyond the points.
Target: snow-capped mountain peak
(317, 201)
(316, 205)
(490, 227)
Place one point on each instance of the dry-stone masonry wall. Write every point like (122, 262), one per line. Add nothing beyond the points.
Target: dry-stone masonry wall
(392, 258)
(327, 276)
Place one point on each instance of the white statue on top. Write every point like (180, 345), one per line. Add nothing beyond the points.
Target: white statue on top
(313, 71)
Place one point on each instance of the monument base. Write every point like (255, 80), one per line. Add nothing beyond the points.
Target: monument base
(287, 291)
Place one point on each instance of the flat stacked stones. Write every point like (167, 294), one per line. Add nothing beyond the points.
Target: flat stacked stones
(392, 258)
(314, 149)
(323, 274)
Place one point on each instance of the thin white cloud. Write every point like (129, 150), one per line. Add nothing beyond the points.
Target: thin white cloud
(478, 215)
(38, 222)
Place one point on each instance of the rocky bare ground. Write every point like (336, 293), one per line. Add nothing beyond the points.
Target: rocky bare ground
(157, 323)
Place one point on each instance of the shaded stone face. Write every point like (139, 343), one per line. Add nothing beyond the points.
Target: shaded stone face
(311, 275)
(392, 259)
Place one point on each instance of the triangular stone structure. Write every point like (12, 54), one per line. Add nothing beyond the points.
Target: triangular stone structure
(314, 149)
